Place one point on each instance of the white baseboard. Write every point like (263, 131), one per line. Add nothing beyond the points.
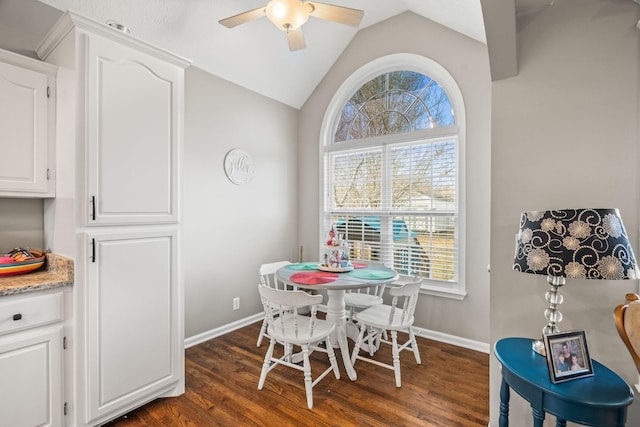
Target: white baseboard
(452, 339)
(224, 329)
(424, 333)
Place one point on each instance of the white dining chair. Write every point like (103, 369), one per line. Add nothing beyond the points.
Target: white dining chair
(268, 278)
(359, 299)
(289, 329)
(391, 318)
(362, 298)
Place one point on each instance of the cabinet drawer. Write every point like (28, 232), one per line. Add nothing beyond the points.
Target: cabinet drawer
(28, 312)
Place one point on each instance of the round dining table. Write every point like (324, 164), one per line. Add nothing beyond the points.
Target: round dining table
(308, 276)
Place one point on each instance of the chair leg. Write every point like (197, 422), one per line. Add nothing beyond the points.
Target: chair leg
(414, 346)
(263, 330)
(308, 382)
(356, 346)
(266, 364)
(288, 349)
(373, 338)
(396, 356)
(367, 339)
(381, 334)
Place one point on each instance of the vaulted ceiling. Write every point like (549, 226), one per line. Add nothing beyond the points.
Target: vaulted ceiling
(255, 55)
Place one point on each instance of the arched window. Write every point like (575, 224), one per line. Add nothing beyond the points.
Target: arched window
(392, 145)
(394, 102)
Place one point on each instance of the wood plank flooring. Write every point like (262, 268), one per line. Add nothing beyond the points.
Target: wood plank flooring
(449, 389)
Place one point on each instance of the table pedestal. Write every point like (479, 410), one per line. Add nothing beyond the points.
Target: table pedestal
(337, 314)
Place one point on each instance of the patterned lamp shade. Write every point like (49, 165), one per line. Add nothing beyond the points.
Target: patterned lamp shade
(575, 243)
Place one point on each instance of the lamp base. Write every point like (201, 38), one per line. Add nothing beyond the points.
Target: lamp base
(553, 315)
(538, 346)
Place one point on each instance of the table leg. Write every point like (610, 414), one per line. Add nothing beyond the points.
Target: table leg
(538, 417)
(561, 423)
(337, 314)
(504, 404)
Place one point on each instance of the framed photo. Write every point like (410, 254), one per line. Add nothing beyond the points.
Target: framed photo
(567, 356)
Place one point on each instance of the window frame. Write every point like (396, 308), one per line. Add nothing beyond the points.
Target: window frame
(426, 66)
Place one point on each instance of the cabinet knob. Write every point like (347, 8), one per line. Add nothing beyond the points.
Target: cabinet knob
(17, 316)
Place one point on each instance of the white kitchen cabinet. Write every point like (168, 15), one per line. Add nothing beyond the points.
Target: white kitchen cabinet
(123, 113)
(134, 349)
(132, 134)
(31, 363)
(27, 109)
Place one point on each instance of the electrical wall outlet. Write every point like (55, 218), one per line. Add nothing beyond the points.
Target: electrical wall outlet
(236, 303)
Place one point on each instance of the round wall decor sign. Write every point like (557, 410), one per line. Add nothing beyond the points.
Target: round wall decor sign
(238, 165)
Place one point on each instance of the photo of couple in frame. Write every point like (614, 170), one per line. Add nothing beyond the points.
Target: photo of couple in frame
(567, 356)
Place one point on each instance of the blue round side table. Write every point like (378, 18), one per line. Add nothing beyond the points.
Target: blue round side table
(600, 400)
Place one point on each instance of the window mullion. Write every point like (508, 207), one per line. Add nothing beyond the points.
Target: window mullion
(386, 221)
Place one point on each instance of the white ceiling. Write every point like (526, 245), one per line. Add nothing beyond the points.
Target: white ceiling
(255, 55)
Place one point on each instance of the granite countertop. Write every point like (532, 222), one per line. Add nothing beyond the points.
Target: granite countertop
(57, 272)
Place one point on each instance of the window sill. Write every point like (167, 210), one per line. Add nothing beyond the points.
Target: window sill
(458, 292)
(439, 291)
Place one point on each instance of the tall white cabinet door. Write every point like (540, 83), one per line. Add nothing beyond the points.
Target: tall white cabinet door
(134, 344)
(23, 129)
(133, 125)
(30, 378)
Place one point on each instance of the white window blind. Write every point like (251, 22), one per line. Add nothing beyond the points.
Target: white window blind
(408, 220)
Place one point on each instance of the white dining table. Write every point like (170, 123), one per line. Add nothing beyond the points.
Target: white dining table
(336, 311)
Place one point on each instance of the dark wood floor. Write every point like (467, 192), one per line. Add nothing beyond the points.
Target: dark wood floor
(450, 388)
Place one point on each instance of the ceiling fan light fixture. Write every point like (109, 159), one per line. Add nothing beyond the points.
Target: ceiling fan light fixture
(287, 15)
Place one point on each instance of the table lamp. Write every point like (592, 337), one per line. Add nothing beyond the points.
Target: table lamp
(574, 243)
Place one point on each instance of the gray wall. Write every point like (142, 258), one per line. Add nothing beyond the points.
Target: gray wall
(228, 229)
(21, 224)
(565, 134)
(467, 61)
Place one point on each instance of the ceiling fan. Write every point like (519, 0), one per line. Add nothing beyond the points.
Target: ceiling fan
(289, 15)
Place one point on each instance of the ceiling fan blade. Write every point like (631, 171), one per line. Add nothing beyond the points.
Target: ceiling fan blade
(340, 14)
(296, 40)
(243, 17)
